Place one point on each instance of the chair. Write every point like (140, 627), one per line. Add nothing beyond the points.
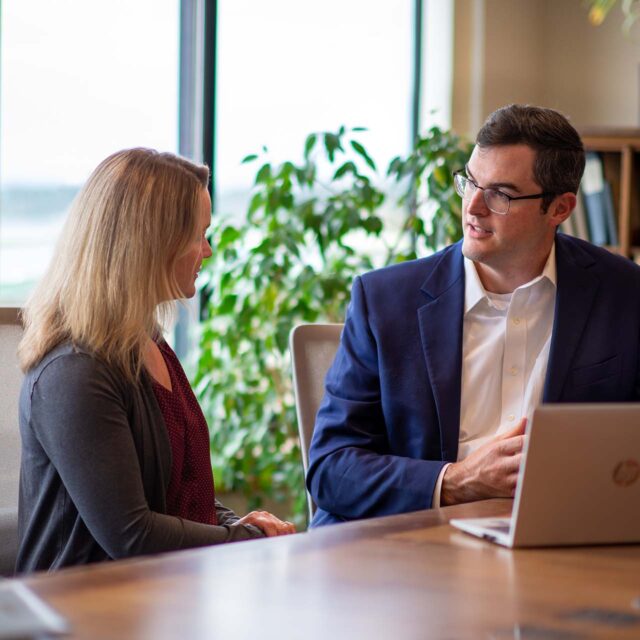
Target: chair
(313, 347)
(10, 380)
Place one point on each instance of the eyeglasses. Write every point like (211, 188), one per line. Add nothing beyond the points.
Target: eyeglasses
(496, 200)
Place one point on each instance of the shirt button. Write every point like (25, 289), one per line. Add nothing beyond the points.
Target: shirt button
(511, 417)
(513, 371)
(516, 321)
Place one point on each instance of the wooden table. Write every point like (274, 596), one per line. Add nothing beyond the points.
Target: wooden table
(407, 576)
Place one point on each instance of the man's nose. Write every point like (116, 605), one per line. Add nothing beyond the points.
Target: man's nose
(476, 205)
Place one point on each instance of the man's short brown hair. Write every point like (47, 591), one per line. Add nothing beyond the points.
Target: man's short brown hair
(560, 157)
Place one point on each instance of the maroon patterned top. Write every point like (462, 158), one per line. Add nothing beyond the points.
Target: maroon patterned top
(191, 493)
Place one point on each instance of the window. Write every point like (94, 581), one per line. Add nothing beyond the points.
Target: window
(287, 68)
(80, 80)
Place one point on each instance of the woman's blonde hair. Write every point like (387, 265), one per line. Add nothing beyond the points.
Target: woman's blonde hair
(111, 278)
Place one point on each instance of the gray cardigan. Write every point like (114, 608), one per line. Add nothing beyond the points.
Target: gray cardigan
(96, 464)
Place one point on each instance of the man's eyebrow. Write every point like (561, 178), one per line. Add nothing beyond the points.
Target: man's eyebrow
(494, 185)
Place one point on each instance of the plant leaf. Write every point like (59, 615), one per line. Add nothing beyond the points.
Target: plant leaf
(264, 174)
(310, 142)
(360, 150)
(347, 167)
(331, 144)
(229, 235)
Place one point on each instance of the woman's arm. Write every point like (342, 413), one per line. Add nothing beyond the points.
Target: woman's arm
(79, 416)
(263, 522)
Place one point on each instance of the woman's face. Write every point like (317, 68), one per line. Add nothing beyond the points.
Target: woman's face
(188, 265)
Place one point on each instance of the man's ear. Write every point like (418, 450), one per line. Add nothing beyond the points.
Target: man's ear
(560, 209)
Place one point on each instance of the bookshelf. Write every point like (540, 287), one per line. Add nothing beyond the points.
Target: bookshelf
(620, 153)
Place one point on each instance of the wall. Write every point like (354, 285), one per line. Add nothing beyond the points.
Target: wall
(467, 109)
(594, 72)
(515, 60)
(543, 52)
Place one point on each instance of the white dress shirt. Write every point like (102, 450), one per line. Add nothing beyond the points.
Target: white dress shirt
(505, 351)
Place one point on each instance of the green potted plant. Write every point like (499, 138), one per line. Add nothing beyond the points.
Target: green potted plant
(310, 227)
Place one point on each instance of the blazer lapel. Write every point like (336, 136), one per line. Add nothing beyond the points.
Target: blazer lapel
(440, 322)
(576, 291)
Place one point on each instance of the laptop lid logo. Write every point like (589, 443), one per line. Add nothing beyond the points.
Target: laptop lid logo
(626, 473)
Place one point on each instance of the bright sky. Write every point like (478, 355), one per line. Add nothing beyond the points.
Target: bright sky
(290, 67)
(81, 79)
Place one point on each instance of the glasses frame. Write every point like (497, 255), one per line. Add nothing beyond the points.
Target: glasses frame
(461, 173)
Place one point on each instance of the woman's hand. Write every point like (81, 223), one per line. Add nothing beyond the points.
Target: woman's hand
(268, 523)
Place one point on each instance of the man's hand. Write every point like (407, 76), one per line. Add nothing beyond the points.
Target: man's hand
(489, 472)
(266, 521)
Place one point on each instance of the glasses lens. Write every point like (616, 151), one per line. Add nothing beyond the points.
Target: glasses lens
(496, 201)
(463, 186)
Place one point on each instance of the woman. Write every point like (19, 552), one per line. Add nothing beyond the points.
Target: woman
(115, 449)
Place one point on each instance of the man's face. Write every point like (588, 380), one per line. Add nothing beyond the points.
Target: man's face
(508, 249)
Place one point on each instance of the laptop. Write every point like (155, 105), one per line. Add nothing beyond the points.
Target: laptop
(579, 481)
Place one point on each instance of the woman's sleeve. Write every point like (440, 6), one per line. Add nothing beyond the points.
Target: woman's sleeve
(79, 416)
(227, 517)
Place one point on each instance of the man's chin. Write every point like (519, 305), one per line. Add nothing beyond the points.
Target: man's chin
(472, 251)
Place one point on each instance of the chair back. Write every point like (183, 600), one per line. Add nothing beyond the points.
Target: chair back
(313, 348)
(10, 381)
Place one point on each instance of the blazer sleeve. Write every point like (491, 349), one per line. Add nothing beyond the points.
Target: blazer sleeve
(78, 415)
(353, 472)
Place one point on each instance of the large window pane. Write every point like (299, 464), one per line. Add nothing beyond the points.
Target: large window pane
(80, 80)
(286, 68)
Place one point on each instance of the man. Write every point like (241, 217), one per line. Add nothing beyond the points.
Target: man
(442, 360)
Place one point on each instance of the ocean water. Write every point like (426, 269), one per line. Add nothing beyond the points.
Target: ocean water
(31, 218)
(26, 247)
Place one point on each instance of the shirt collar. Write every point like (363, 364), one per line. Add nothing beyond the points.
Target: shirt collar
(474, 292)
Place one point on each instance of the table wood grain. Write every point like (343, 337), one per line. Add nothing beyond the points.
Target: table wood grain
(406, 576)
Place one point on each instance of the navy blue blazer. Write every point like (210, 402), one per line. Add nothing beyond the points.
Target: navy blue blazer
(390, 416)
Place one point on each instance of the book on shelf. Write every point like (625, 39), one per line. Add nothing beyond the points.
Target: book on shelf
(579, 216)
(610, 214)
(597, 202)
